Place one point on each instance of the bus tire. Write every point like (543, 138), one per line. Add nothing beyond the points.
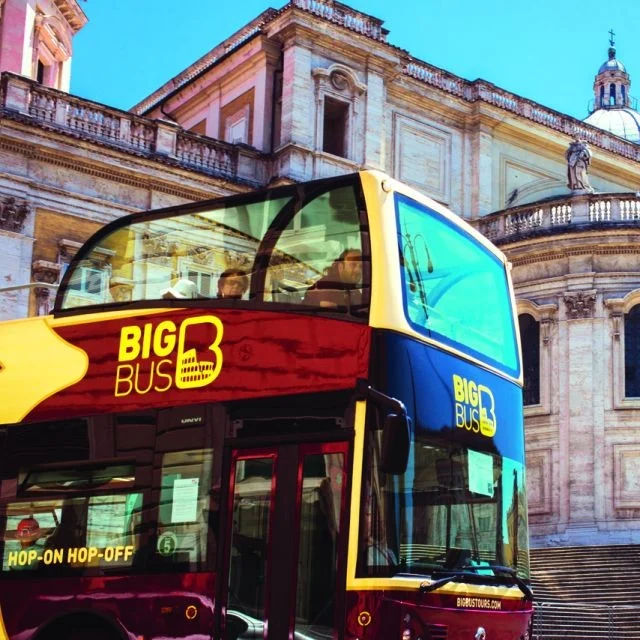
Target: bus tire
(79, 627)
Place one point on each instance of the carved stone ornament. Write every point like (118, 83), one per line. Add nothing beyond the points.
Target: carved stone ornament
(121, 289)
(339, 80)
(157, 247)
(68, 248)
(617, 322)
(578, 159)
(13, 213)
(235, 260)
(45, 271)
(43, 305)
(545, 330)
(201, 255)
(580, 304)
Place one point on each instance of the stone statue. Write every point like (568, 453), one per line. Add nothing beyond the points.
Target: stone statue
(578, 159)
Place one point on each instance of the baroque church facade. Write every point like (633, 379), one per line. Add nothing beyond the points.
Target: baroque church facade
(316, 89)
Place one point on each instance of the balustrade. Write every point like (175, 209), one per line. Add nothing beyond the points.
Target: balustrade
(523, 220)
(345, 16)
(600, 210)
(630, 209)
(142, 135)
(563, 212)
(129, 131)
(42, 105)
(93, 120)
(209, 155)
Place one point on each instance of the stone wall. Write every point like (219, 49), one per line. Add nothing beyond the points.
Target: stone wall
(576, 270)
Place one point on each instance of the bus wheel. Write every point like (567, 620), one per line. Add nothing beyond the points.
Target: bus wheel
(80, 628)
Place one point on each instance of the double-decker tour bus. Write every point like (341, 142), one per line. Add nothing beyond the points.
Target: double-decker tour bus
(289, 414)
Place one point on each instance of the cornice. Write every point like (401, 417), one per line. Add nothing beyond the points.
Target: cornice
(454, 110)
(111, 174)
(561, 254)
(72, 13)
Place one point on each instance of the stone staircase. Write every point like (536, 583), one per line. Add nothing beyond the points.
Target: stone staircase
(590, 593)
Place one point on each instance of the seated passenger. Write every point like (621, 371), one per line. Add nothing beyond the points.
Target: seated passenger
(232, 284)
(28, 533)
(183, 288)
(341, 286)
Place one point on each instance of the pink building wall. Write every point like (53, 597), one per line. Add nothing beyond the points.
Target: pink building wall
(12, 34)
(38, 30)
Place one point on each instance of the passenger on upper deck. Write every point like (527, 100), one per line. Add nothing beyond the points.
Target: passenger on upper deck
(340, 287)
(233, 284)
(183, 288)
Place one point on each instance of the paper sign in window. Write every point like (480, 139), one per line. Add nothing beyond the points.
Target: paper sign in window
(480, 473)
(184, 506)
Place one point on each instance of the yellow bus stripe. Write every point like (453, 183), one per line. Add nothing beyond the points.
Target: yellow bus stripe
(358, 449)
(413, 584)
(3, 630)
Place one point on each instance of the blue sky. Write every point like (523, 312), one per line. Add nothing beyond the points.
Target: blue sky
(545, 50)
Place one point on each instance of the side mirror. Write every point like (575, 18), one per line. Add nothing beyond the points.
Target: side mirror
(395, 444)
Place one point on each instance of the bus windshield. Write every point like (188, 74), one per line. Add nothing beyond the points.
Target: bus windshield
(455, 509)
(454, 289)
(297, 245)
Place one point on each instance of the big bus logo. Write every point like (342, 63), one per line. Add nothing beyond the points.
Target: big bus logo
(474, 406)
(158, 357)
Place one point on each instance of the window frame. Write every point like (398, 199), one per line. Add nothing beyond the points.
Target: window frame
(546, 316)
(346, 118)
(534, 324)
(618, 308)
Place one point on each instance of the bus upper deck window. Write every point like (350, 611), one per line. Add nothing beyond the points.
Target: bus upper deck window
(300, 245)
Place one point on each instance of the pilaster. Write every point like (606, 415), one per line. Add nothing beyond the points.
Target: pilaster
(297, 96)
(374, 132)
(579, 320)
(481, 135)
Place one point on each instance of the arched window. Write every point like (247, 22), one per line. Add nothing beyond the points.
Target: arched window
(612, 94)
(602, 95)
(530, 338)
(632, 353)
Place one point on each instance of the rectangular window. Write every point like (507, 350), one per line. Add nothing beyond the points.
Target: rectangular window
(40, 72)
(183, 519)
(335, 125)
(87, 281)
(237, 131)
(62, 535)
(202, 278)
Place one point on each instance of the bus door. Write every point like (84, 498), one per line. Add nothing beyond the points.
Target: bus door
(283, 562)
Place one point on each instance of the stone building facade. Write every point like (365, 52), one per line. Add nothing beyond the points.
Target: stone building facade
(315, 89)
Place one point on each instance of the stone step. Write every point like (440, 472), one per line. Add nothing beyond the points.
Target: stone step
(586, 593)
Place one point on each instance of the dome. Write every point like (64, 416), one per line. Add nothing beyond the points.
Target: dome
(612, 65)
(624, 122)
